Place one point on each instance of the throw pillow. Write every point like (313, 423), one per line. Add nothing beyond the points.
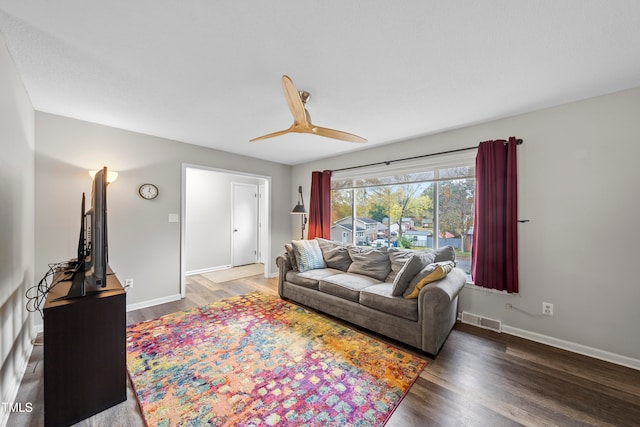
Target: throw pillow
(308, 255)
(398, 258)
(335, 254)
(433, 272)
(408, 271)
(445, 253)
(292, 256)
(370, 262)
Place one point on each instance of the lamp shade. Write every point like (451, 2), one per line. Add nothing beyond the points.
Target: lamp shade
(111, 176)
(299, 209)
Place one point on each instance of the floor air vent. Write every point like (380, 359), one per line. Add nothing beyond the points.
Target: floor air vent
(483, 322)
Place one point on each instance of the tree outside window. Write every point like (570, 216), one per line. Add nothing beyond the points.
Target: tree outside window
(418, 211)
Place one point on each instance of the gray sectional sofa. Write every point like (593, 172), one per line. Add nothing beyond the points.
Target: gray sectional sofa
(384, 290)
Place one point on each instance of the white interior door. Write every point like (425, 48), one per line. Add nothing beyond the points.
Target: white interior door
(244, 223)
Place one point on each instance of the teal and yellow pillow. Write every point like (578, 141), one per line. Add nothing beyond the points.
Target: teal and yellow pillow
(429, 274)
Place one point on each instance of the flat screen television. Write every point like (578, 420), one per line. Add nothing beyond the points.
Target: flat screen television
(82, 240)
(90, 273)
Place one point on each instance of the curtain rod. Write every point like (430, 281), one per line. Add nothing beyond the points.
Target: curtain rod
(388, 162)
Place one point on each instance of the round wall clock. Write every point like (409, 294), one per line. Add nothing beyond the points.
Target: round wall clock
(148, 191)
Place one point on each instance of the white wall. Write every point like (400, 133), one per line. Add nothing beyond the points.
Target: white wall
(143, 245)
(208, 218)
(578, 185)
(16, 227)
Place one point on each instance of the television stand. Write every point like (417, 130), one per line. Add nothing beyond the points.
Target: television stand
(80, 287)
(85, 368)
(77, 285)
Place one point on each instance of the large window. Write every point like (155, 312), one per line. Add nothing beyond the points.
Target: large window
(419, 205)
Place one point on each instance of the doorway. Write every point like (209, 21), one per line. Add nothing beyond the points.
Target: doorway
(214, 203)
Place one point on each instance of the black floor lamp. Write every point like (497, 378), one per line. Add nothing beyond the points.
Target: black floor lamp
(300, 210)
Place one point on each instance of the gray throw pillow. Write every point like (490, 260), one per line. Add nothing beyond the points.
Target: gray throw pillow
(292, 256)
(445, 253)
(335, 254)
(408, 272)
(370, 262)
(425, 257)
(398, 258)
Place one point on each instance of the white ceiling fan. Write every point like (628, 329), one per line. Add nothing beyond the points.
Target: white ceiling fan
(301, 118)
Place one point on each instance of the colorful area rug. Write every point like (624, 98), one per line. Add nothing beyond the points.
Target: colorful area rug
(259, 360)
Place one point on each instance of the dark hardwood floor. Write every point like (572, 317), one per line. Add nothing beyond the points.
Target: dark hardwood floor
(480, 378)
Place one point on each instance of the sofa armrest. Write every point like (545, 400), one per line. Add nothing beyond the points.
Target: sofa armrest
(438, 309)
(284, 264)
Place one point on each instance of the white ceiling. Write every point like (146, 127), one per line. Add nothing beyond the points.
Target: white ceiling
(208, 72)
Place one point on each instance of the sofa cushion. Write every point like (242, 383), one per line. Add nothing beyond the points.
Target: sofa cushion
(408, 272)
(308, 255)
(370, 262)
(346, 285)
(335, 254)
(379, 297)
(310, 279)
(430, 273)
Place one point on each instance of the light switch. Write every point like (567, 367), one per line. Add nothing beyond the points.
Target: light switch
(174, 218)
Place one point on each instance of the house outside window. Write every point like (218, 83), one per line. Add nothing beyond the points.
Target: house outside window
(425, 203)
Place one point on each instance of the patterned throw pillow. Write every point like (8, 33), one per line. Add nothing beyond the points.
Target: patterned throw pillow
(308, 255)
(430, 273)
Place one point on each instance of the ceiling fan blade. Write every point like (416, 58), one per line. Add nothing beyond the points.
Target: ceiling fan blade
(271, 135)
(336, 134)
(293, 100)
(302, 119)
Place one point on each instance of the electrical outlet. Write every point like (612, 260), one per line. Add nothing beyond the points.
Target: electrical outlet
(508, 306)
(128, 283)
(547, 309)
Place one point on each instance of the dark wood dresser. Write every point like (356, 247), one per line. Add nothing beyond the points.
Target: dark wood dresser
(85, 368)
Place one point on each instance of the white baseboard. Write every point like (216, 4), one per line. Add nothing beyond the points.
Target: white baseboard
(150, 303)
(573, 347)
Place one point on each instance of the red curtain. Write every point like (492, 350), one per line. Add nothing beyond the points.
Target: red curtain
(495, 228)
(320, 205)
